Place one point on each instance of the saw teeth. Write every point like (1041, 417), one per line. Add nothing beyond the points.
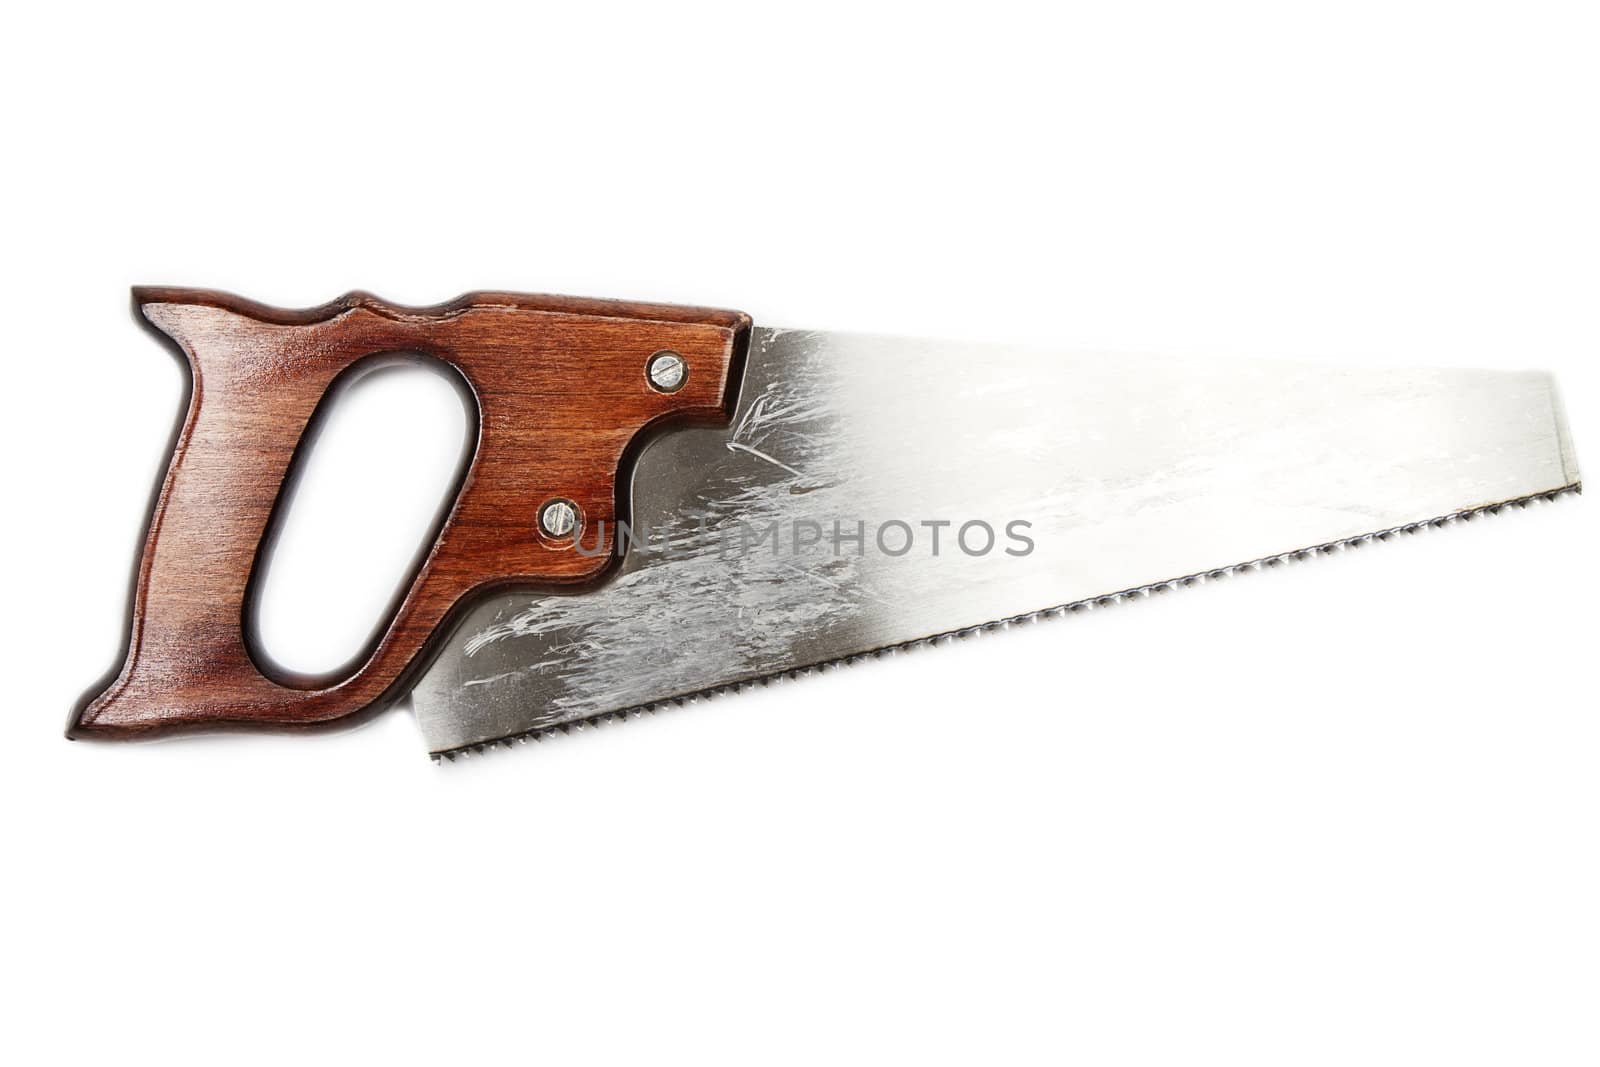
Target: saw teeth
(1057, 611)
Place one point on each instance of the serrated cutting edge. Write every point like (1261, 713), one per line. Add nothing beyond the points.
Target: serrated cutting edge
(1058, 611)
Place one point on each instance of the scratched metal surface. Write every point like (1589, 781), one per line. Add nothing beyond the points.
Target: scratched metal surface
(1131, 470)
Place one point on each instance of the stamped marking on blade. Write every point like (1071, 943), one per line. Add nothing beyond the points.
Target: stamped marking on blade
(845, 511)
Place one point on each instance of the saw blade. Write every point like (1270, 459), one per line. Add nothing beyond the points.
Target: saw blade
(875, 492)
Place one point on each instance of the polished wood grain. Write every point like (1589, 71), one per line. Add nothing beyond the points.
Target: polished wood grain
(561, 397)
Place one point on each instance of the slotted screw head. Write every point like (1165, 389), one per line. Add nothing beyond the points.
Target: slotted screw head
(558, 518)
(667, 371)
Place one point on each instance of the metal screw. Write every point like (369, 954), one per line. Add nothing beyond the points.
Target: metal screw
(667, 371)
(558, 518)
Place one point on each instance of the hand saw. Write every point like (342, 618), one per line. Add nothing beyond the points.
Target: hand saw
(663, 502)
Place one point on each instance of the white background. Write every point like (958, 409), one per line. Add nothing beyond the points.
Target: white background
(1340, 813)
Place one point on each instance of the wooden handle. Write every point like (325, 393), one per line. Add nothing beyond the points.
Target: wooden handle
(561, 392)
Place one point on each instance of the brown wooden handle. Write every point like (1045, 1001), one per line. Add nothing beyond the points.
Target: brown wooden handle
(561, 393)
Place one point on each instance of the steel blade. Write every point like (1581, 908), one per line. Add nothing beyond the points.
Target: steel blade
(1129, 471)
